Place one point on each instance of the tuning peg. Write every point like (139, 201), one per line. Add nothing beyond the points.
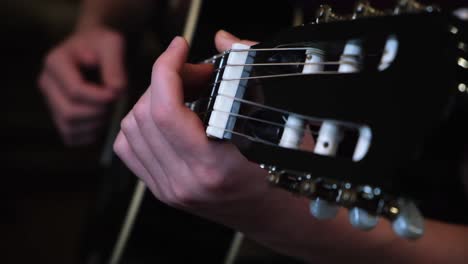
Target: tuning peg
(293, 132)
(322, 209)
(410, 6)
(390, 52)
(364, 9)
(360, 219)
(409, 222)
(328, 139)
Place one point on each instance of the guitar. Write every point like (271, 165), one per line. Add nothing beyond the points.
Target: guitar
(363, 112)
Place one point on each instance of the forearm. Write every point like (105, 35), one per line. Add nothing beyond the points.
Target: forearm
(282, 221)
(113, 12)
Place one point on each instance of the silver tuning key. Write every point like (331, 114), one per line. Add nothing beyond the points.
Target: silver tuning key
(322, 209)
(360, 219)
(328, 139)
(409, 222)
(330, 134)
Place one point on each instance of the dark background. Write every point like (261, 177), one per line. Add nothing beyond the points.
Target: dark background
(44, 202)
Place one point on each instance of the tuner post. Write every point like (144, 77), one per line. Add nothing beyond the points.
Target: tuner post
(363, 8)
(325, 14)
(412, 6)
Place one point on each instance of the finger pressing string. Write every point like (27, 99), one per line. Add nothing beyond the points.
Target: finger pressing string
(224, 40)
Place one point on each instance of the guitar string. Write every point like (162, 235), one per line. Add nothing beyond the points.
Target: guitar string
(218, 56)
(313, 132)
(222, 54)
(282, 75)
(313, 121)
(352, 63)
(227, 52)
(256, 139)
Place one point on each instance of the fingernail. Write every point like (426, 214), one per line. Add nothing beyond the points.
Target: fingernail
(175, 42)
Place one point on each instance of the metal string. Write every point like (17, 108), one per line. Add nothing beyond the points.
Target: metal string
(263, 121)
(311, 120)
(220, 55)
(352, 63)
(281, 75)
(255, 139)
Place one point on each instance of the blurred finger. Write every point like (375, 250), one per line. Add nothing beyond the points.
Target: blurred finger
(224, 41)
(84, 134)
(63, 108)
(68, 74)
(111, 57)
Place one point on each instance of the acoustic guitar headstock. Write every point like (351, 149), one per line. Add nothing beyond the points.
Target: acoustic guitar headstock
(345, 110)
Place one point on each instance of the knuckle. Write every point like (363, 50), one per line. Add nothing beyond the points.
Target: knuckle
(118, 147)
(51, 58)
(55, 56)
(155, 67)
(74, 93)
(161, 115)
(160, 69)
(126, 125)
(140, 112)
(182, 196)
(211, 178)
(67, 115)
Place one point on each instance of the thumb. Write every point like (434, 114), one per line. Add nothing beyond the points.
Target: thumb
(166, 80)
(224, 40)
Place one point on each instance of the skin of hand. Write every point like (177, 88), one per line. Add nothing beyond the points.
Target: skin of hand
(165, 145)
(78, 105)
(161, 137)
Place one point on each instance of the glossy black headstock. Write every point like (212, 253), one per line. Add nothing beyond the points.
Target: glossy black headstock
(401, 96)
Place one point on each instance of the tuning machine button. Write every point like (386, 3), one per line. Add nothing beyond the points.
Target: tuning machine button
(361, 219)
(322, 209)
(409, 222)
